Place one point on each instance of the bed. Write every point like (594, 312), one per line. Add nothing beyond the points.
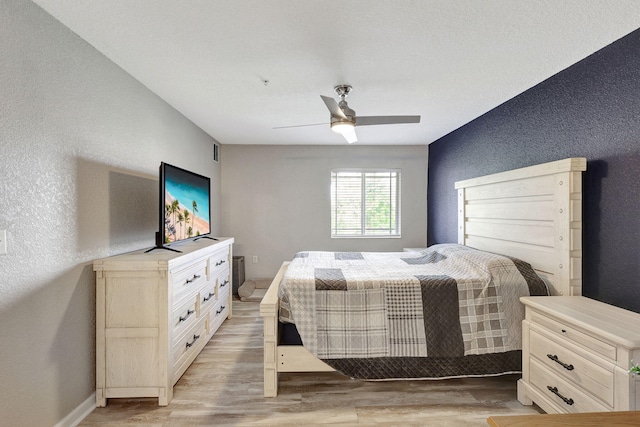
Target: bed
(519, 232)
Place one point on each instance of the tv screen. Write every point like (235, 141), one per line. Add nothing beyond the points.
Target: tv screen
(185, 200)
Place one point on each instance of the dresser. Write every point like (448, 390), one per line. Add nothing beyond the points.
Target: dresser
(576, 355)
(155, 312)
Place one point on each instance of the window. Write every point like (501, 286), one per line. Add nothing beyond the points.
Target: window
(365, 203)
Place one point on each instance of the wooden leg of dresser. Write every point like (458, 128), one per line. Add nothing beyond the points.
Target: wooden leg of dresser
(101, 401)
(522, 394)
(164, 398)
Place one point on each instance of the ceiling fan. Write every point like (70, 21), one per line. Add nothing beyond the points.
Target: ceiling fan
(344, 119)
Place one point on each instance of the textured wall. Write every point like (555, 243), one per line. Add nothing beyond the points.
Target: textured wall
(591, 110)
(276, 199)
(81, 143)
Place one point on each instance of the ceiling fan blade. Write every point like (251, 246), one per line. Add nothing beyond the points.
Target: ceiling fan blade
(350, 136)
(300, 126)
(333, 107)
(385, 120)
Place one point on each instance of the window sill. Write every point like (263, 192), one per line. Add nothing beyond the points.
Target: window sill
(367, 237)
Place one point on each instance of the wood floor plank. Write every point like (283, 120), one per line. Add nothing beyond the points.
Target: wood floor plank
(223, 387)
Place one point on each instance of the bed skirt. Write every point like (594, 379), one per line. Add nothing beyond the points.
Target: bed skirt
(390, 368)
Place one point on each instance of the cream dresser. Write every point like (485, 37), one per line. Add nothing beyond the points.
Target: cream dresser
(576, 355)
(154, 313)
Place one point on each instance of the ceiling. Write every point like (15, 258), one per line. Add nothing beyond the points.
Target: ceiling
(239, 68)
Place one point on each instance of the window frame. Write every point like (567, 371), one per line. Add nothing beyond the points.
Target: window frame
(394, 233)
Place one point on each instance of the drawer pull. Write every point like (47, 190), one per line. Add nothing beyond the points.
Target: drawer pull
(226, 282)
(554, 390)
(559, 362)
(193, 279)
(219, 263)
(195, 338)
(189, 313)
(208, 297)
(220, 310)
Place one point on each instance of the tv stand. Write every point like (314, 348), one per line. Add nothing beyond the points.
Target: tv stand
(160, 244)
(162, 247)
(205, 237)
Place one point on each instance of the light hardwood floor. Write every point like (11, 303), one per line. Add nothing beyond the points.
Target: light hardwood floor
(224, 387)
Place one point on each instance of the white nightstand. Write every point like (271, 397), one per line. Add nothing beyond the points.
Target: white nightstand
(576, 354)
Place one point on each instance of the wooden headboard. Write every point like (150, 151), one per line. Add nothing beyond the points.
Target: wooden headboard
(534, 214)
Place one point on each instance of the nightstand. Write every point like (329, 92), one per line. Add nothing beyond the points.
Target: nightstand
(576, 355)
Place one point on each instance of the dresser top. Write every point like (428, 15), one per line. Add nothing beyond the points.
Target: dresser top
(612, 323)
(161, 258)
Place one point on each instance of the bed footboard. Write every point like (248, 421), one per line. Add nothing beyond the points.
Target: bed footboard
(269, 313)
(289, 358)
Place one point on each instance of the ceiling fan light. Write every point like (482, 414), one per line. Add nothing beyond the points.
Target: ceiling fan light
(342, 127)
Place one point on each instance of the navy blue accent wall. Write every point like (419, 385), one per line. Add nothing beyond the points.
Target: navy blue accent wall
(592, 110)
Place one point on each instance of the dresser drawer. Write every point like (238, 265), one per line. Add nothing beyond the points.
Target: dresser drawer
(565, 359)
(562, 393)
(223, 295)
(208, 296)
(223, 280)
(219, 262)
(187, 281)
(222, 303)
(187, 348)
(219, 313)
(569, 333)
(183, 317)
(211, 293)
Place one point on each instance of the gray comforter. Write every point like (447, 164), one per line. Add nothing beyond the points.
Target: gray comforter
(448, 301)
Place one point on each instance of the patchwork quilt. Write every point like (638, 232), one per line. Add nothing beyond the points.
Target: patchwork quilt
(379, 313)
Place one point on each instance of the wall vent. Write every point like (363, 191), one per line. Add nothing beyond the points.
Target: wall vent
(216, 152)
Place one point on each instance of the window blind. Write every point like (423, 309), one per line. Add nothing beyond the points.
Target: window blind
(365, 203)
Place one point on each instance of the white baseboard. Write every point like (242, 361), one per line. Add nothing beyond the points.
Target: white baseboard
(77, 415)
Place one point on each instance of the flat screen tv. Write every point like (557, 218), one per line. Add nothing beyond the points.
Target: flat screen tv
(184, 206)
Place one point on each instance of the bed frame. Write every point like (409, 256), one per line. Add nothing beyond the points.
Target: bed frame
(532, 213)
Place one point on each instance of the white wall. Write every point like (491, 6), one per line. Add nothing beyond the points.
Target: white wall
(81, 142)
(275, 199)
